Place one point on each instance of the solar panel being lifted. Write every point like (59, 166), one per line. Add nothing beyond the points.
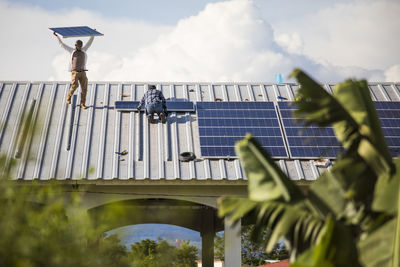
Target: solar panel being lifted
(79, 31)
(389, 115)
(310, 142)
(221, 124)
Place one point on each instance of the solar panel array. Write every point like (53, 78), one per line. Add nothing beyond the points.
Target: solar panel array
(79, 31)
(172, 106)
(311, 142)
(389, 115)
(221, 124)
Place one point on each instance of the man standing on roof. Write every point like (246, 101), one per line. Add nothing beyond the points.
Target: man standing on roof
(77, 67)
(154, 102)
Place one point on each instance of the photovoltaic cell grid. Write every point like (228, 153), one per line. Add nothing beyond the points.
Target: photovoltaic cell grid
(79, 31)
(221, 124)
(310, 142)
(389, 115)
(321, 142)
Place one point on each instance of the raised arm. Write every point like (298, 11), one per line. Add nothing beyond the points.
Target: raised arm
(88, 44)
(66, 47)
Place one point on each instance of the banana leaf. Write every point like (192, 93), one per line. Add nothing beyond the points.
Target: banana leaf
(274, 201)
(376, 249)
(351, 112)
(266, 180)
(387, 191)
(334, 248)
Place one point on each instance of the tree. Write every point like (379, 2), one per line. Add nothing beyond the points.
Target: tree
(186, 255)
(37, 232)
(219, 246)
(149, 253)
(114, 253)
(253, 253)
(144, 253)
(350, 216)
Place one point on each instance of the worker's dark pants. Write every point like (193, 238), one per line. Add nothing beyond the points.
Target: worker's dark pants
(83, 81)
(154, 108)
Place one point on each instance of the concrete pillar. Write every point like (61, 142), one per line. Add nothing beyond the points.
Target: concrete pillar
(233, 254)
(207, 238)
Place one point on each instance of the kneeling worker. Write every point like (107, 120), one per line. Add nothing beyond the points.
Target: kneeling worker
(154, 102)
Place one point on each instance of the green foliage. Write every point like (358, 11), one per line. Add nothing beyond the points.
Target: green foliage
(219, 246)
(253, 253)
(150, 253)
(186, 255)
(36, 234)
(350, 216)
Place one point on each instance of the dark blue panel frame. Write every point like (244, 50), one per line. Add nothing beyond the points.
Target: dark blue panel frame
(235, 131)
(389, 115)
(236, 113)
(387, 105)
(235, 105)
(313, 141)
(221, 124)
(78, 31)
(310, 142)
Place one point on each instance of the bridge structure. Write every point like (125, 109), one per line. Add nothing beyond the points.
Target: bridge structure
(114, 156)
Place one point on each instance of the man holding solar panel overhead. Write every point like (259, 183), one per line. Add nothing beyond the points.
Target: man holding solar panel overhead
(77, 67)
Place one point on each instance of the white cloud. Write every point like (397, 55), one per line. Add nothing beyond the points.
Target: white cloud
(227, 41)
(392, 74)
(30, 51)
(358, 33)
(292, 42)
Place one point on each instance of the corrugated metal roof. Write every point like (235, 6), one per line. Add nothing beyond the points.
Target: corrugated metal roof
(153, 149)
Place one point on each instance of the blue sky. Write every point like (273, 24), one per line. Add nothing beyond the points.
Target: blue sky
(171, 11)
(155, 11)
(199, 40)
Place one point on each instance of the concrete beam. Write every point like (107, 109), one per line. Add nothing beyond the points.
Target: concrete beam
(185, 214)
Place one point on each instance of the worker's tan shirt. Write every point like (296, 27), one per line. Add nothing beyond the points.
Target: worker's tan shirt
(78, 60)
(72, 50)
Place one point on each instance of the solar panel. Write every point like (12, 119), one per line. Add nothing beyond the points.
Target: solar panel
(321, 142)
(172, 106)
(310, 142)
(389, 115)
(221, 124)
(79, 31)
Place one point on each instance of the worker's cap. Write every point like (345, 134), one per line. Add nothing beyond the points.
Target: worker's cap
(79, 43)
(152, 87)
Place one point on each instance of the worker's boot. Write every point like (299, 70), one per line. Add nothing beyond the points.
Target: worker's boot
(162, 117)
(151, 118)
(83, 106)
(68, 100)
